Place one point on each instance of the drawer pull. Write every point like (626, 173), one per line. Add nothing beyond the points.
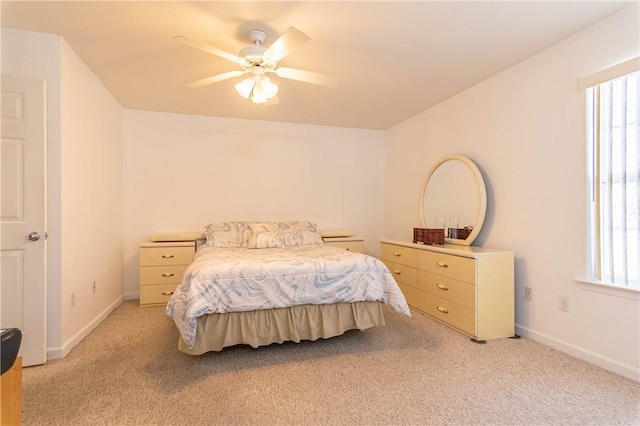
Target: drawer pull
(442, 264)
(168, 275)
(395, 253)
(168, 256)
(167, 293)
(395, 271)
(443, 310)
(442, 287)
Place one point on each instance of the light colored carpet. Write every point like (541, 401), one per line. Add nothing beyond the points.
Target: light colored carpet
(411, 371)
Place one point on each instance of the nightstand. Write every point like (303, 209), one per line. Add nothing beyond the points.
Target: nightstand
(355, 244)
(162, 266)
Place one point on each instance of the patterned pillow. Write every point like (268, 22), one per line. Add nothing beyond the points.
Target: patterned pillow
(299, 233)
(265, 235)
(282, 234)
(228, 234)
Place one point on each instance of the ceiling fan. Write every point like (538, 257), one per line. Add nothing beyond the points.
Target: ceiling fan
(258, 61)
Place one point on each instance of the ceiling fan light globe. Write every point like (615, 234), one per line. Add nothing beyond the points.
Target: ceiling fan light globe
(270, 89)
(245, 87)
(258, 94)
(258, 98)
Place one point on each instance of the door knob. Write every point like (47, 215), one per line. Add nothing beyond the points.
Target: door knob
(34, 236)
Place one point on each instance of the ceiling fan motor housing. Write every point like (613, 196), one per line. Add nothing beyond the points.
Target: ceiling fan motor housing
(254, 55)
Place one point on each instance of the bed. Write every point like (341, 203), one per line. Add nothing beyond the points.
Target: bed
(258, 283)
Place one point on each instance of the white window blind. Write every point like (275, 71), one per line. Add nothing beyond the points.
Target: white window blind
(614, 178)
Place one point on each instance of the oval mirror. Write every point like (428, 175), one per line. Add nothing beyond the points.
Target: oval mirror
(454, 197)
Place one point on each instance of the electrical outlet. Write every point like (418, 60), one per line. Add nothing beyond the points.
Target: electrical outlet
(94, 286)
(563, 303)
(528, 294)
(72, 301)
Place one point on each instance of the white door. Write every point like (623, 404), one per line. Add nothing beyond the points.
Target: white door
(22, 217)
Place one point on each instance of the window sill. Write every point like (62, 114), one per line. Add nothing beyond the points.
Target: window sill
(588, 284)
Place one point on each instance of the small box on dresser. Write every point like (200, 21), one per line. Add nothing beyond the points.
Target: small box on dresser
(162, 265)
(468, 288)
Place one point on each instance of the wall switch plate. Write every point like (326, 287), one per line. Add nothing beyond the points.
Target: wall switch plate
(528, 294)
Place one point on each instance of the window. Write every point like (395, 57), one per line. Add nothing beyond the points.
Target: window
(613, 136)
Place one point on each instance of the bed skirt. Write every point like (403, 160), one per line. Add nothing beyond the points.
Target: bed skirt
(264, 327)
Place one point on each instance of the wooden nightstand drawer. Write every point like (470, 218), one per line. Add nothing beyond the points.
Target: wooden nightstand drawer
(459, 292)
(156, 294)
(456, 267)
(161, 274)
(153, 256)
(356, 246)
(402, 273)
(399, 254)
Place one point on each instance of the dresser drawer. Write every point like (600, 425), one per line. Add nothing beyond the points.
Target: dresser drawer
(399, 254)
(451, 313)
(153, 256)
(402, 273)
(456, 267)
(156, 294)
(161, 274)
(456, 291)
(412, 295)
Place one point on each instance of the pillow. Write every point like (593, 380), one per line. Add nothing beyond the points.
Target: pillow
(282, 234)
(299, 233)
(228, 234)
(265, 235)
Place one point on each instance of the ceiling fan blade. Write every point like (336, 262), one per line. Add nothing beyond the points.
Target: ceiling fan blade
(286, 43)
(208, 48)
(215, 79)
(307, 76)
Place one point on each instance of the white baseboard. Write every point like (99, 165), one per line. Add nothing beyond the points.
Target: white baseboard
(607, 363)
(61, 352)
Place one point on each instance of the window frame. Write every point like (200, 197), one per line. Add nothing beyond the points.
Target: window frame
(593, 280)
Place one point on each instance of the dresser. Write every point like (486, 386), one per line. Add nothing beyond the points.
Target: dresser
(468, 288)
(355, 244)
(162, 265)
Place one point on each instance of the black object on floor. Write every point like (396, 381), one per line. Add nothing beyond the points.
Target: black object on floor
(10, 345)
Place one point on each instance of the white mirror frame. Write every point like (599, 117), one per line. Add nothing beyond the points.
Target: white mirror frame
(482, 197)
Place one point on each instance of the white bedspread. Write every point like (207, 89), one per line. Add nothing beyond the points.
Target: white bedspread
(222, 280)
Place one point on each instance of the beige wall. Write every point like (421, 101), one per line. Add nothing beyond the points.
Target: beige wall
(84, 185)
(183, 172)
(92, 198)
(525, 128)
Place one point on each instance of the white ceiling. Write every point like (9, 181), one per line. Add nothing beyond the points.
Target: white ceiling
(392, 59)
